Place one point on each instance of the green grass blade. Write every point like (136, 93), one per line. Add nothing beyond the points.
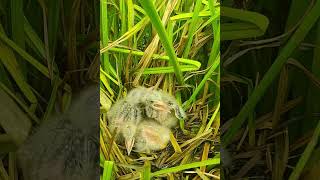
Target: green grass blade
(3, 173)
(34, 39)
(146, 171)
(155, 20)
(43, 69)
(53, 25)
(306, 154)
(194, 63)
(18, 35)
(192, 27)
(8, 59)
(307, 23)
(252, 24)
(210, 72)
(214, 161)
(107, 170)
(216, 32)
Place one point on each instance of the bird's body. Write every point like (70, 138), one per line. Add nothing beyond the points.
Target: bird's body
(123, 118)
(151, 136)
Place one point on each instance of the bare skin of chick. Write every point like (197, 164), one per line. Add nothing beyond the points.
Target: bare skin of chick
(151, 136)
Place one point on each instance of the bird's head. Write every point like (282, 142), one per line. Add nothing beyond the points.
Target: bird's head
(129, 132)
(173, 105)
(155, 101)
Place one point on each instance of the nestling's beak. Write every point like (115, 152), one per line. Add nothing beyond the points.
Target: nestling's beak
(161, 106)
(179, 112)
(129, 144)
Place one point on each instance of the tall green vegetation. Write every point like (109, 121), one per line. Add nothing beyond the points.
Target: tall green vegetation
(171, 45)
(266, 75)
(47, 51)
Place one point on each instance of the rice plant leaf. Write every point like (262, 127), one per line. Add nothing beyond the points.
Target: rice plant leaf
(107, 170)
(13, 120)
(52, 100)
(142, 23)
(210, 72)
(251, 24)
(216, 32)
(3, 173)
(183, 16)
(104, 33)
(214, 161)
(53, 25)
(201, 174)
(192, 64)
(155, 20)
(146, 171)
(299, 35)
(192, 28)
(21, 103)
(9, 61)
(34, 38)
(175, 144)
(213, 117)
(43, 69)
(306, 154)
(18, 36)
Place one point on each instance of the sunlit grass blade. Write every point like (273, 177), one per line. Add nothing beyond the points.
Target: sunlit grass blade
(192, 26)
(155, 20)
(146, 171)
(214, 161)
(107, 170)
(209, 74)
(104, 33)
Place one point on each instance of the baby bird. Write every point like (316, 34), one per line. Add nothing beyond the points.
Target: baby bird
(123, 118)
(167, 112)
(147, 98)
(151, 136)
(143, 117)
(158, 105)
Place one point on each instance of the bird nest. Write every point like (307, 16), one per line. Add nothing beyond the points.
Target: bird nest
(194, 138)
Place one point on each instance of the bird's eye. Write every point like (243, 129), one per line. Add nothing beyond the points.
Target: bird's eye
(170, 103)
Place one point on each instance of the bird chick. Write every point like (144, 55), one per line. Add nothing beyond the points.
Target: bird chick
(123, 118)
(154, 104)
(130, 115)
(151, 136)
(147, 98)
(167, 112)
